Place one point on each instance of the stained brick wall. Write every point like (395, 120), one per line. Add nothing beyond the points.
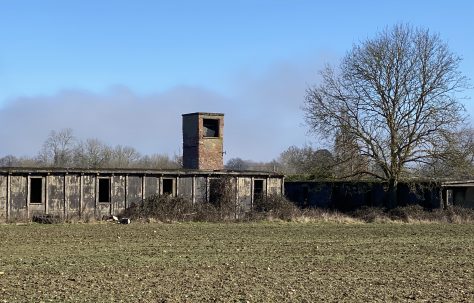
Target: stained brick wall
(201, 151)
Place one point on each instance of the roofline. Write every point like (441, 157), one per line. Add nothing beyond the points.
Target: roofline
(203, 114)
(135, 171)
(458, 183)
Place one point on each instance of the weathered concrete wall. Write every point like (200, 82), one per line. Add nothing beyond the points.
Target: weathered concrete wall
(76, 194)
(18, 193)
(185, 187)
(346, 196)
(200, 189)
(464, 197)
(3, 198)
(151, 185)
(134, 190)
(73, 195)
(56, 195)
(244, 193)
(89, 194)
(118, 194)
(274, 186)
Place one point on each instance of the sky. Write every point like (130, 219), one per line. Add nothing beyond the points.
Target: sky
(124, 71)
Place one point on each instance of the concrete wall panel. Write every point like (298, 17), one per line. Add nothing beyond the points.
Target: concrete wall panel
(56, 194)
(201, 189)
(73, 194)
(468, 200)
(134, 189)
(3, 198)
(76, 193)
(118, 194)
(151, 186)
(244, 188)
(18, 193)
(274, 186)
(186, 187)
(88, 192)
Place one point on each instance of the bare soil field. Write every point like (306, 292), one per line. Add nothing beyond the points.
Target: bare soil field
(237, 262)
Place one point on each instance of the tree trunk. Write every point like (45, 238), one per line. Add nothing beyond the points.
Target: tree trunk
(392, 193)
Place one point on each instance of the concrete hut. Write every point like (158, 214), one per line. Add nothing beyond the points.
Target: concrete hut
(77, 192)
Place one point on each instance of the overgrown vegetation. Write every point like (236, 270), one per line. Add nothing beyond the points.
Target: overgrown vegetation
(179, 209)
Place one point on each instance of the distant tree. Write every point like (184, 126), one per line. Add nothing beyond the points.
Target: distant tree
(240, 165)
(58, 148)
(454, 159)
(158, 161)
(396, 95)
(92, 153)
(317, 164)
(124, 156)
(9, 161)
(236, 164)
(178, 159)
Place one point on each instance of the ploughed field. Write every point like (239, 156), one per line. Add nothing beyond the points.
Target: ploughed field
(237, 262)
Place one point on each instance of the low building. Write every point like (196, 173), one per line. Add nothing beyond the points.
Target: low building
(350, 195)
(76, 192)
(458, 193)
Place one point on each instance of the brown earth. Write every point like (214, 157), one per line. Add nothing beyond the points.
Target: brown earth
(237, 262)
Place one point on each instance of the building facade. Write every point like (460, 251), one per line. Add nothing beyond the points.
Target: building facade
(78, 192)
(25, 192)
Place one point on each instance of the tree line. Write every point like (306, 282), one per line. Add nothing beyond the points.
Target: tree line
(62, 149)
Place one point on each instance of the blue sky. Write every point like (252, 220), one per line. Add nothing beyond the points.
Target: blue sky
(124, 71)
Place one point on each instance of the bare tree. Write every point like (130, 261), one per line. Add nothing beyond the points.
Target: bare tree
(58, 148)
(9, 161)
(315, 163)
(396, 95)
(454, 159)
(242, 165)
(124, 156)
(236, 164)
(92, 153)
(158, 161)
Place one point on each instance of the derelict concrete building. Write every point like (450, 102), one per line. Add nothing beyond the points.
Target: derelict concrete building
(76, 192)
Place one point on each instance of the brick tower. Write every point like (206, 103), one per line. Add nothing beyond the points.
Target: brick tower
(203, 135)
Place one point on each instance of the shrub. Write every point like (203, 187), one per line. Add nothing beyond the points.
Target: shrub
(274, 206)
(370, 214)
(163, 208)
(408, 213)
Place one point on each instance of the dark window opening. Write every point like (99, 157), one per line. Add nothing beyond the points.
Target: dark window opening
(211, 127)
(104, 190)
(168, 186)
(214, 191)
(36, 190)
(257, 190)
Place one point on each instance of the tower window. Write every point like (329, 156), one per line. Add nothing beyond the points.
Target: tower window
(211, 127)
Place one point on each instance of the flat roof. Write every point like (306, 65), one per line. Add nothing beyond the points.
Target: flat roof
(203, 114)
(135, 171)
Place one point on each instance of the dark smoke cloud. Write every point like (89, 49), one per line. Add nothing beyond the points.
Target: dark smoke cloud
(263, 115)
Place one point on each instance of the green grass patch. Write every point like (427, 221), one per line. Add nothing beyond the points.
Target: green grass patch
(238, 262)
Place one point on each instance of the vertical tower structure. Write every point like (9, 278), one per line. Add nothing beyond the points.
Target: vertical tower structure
(203, 136)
